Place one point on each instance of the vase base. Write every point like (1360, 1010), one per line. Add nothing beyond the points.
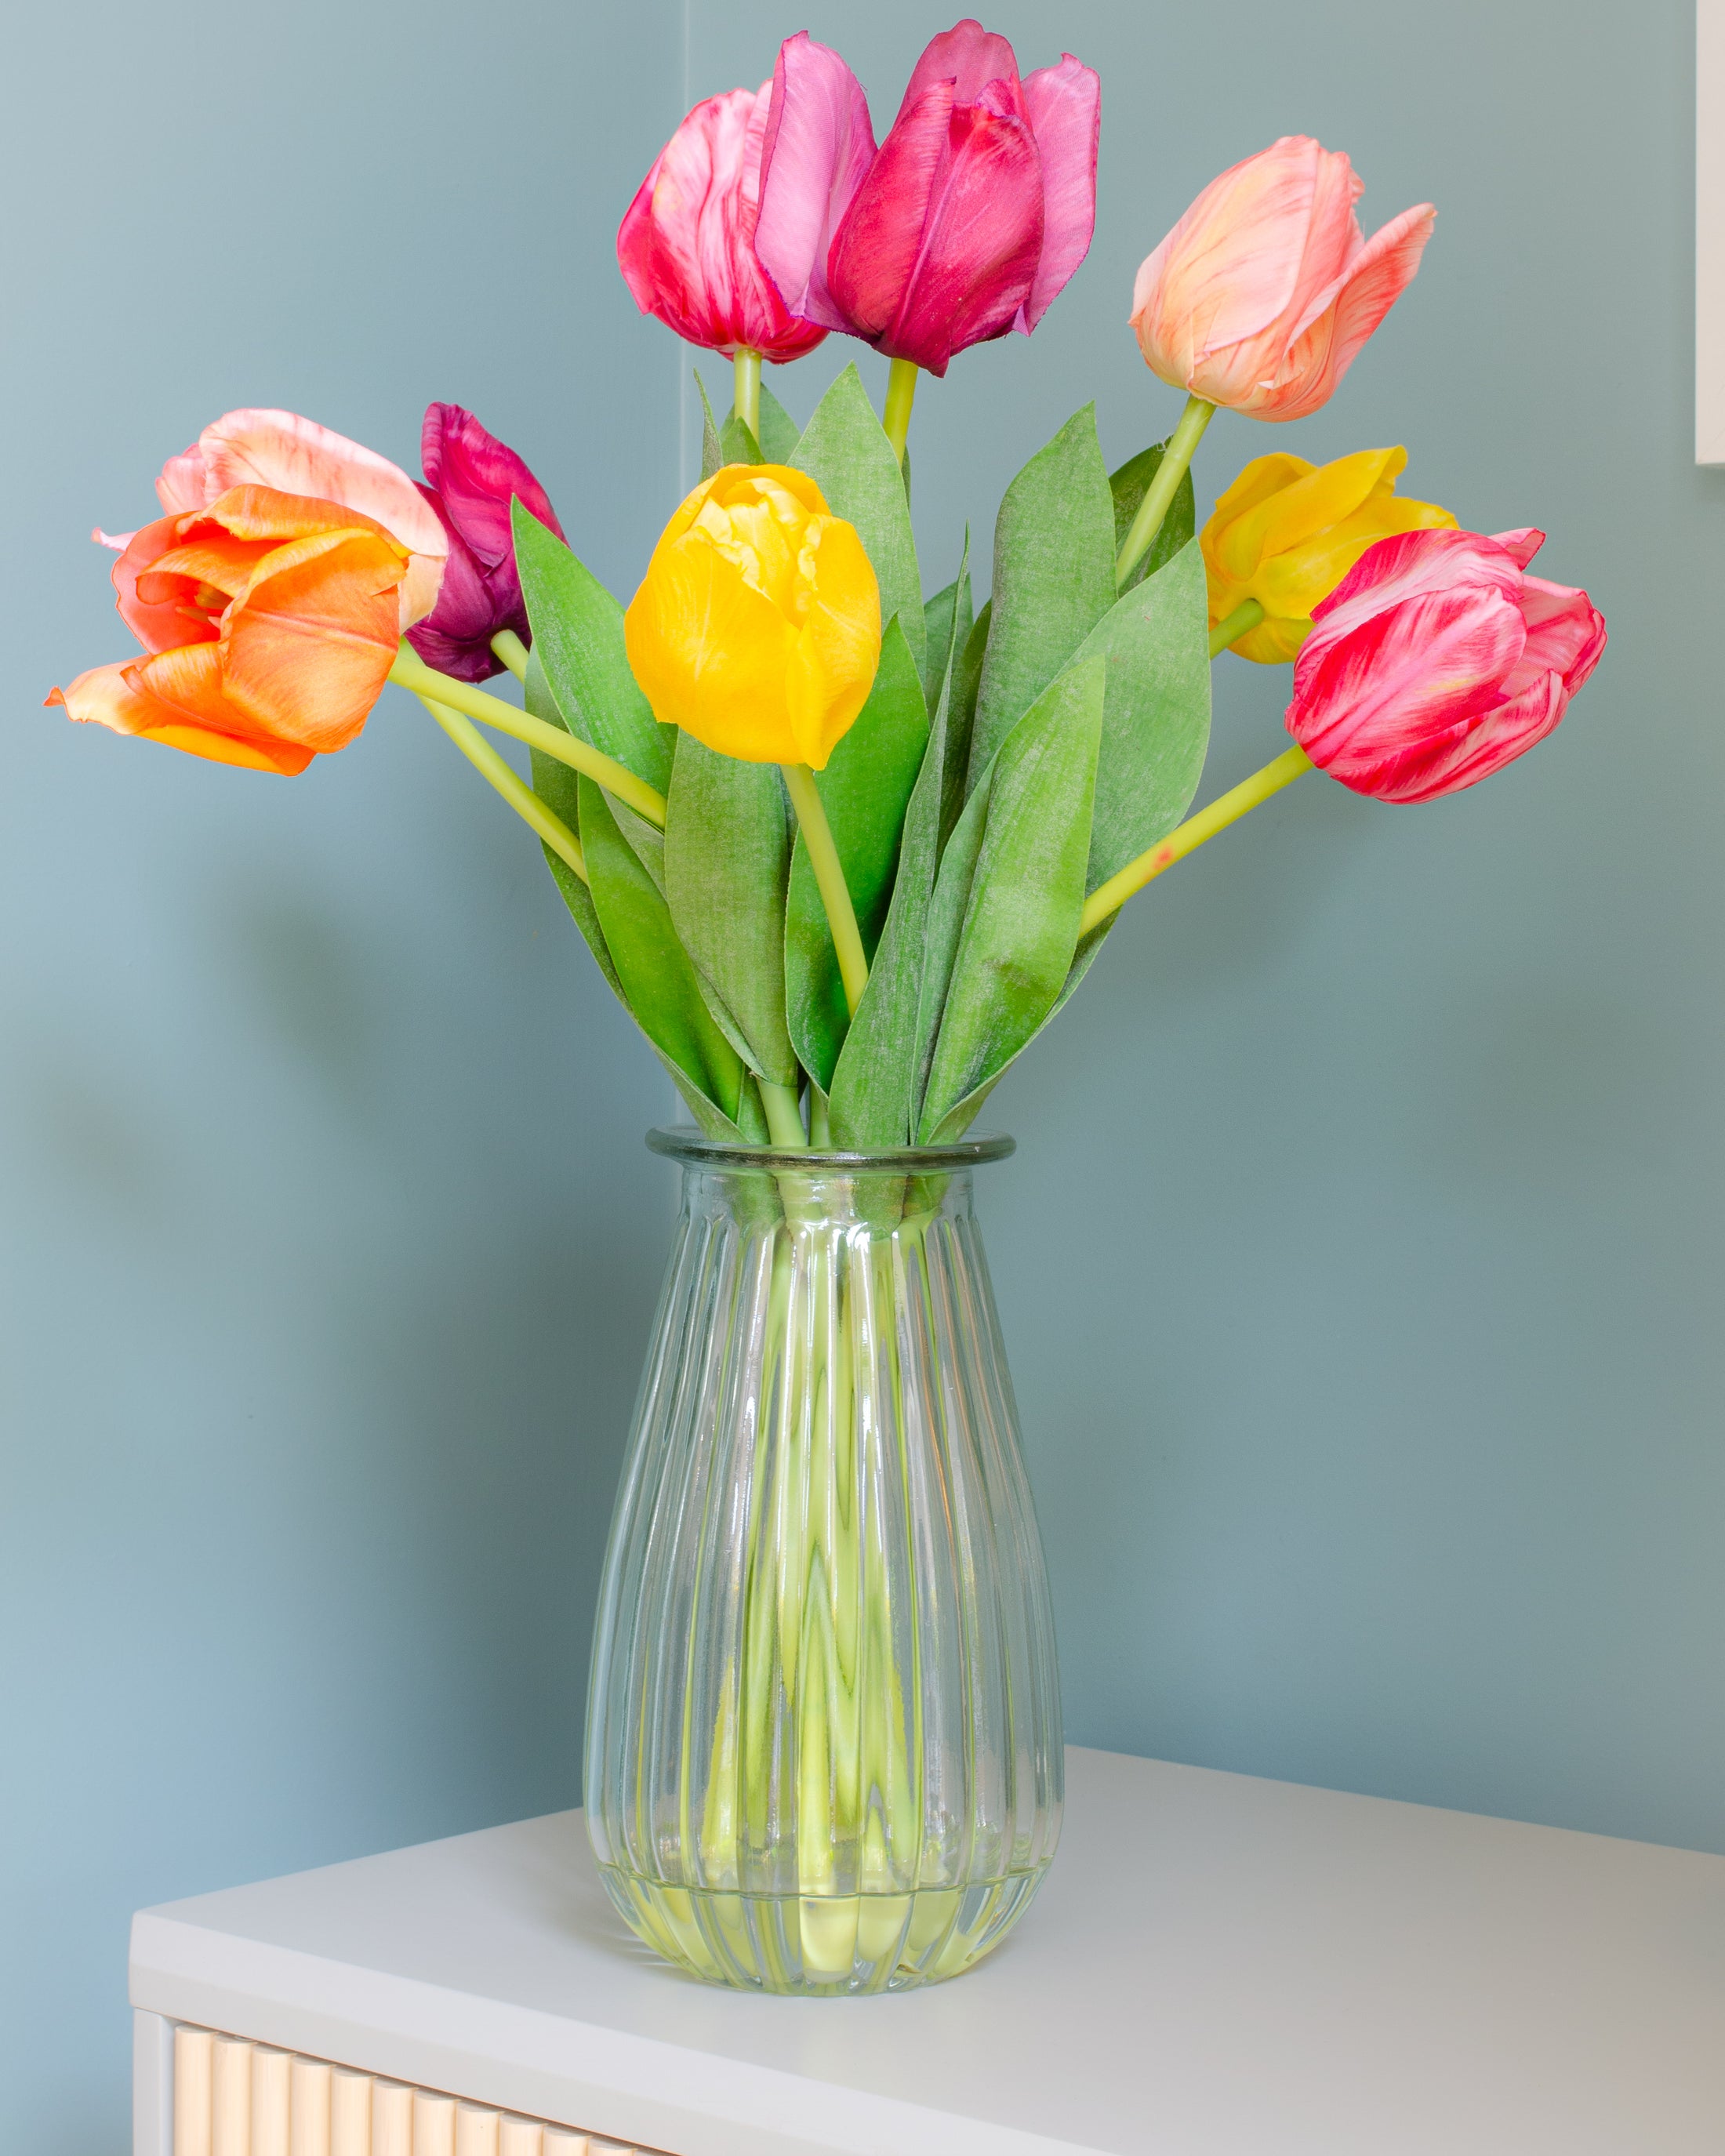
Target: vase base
(822, 1945)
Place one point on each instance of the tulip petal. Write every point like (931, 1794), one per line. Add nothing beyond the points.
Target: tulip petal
(881, 239)
(1520, 545)
(819, 145)
(1065, 107)
(1383, 691)
(1231, 267)
(308, 645)
(112, 696)
(967, 57)
(476, 477)
(1325, 347)
(1414, 563)
(159, 619)
(294, 455)
(1566, 633)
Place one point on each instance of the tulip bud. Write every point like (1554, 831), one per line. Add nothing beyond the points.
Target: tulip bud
(1436, 660)
(471, 479)
(1287, 532)
(756, 628)
(1266, 290)
(964, 224)
(686, 245)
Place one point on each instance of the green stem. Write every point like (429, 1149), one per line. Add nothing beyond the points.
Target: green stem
(411, 672)
(745, 400)
(901, 395)
(829, 878)
(1159, 495)
(1246, 616)
(510, 648)
(521, 798)
(785, 1116)
(1226, 808)
(820, 1121)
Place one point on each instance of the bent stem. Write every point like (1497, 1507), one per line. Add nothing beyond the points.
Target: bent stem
(410, 671)
(1246, 616)
(1159, 495)
(510, 648)
(829, 878)
(901, 395)
(521, 797)
(1108, 899)
(746, 396)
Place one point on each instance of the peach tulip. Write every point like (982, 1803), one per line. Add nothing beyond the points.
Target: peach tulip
(1264, 291)
(291, 455)
(270, 623)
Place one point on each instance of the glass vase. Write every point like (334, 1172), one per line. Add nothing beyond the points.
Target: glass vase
(824, 1751)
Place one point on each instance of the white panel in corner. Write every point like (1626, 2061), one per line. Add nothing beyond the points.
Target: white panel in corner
(1710, 232)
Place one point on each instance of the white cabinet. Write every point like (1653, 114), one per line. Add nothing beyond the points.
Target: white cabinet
(1218, 1966)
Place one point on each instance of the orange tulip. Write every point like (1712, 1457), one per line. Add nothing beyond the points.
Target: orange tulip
(270, 623)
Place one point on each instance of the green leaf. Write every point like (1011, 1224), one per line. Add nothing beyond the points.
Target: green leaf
(779, 432)
(864, 790)
(738, 443)
(559, 788)
(846, 452)
(1156, 642)
(712, 450)
(946, 623)
(1024, 896)
(961, 719)
(578, 631)
(1054, 578)
(727, 857)
(1128, 486)
(653, 970)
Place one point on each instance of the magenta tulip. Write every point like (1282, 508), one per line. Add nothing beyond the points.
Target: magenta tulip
(686, 245)
(1436, 660)
(964, 224)
(471, 479)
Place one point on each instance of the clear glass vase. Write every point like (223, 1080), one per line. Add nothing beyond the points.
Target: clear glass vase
(823, 1748)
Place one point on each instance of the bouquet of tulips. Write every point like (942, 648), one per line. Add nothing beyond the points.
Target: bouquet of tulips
(842, 849)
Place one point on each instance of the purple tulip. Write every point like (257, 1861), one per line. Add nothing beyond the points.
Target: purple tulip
(471, 478)
(965, 221)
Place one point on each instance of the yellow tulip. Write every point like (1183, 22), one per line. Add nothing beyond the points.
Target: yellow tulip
(1287, 532)
(756, 628)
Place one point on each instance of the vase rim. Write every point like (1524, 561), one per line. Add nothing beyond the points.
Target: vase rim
(687, 1144)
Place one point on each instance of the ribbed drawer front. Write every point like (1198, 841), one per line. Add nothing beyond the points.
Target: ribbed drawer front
(232, 2098)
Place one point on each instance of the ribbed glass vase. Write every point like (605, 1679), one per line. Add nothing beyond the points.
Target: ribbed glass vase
(823, 1731)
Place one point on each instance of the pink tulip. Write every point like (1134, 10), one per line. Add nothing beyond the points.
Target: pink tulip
(964, 224)
(292, 455)
(686, 245)
(1266, 290)
(471, 479)
(1436, 660)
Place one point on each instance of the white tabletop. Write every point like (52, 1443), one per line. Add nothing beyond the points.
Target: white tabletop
(1217, 1966)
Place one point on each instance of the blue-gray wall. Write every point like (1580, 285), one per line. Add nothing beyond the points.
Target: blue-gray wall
(1362, 1261)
